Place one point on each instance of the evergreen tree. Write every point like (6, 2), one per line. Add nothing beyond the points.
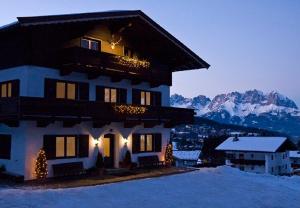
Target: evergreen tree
(99, 162)
(41, 171)
(169, 155)
(127, 159)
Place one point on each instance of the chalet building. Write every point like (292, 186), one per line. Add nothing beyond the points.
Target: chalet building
(186, 158)
(77, 84)
(295, 159)
(258, 154)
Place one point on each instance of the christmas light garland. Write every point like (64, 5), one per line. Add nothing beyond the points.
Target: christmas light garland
(132, 62)
(41, 170)
(169, 155)
(132, 110)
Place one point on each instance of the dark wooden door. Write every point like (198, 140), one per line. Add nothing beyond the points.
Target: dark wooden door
(109, 150)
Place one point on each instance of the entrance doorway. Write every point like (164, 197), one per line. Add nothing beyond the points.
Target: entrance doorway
(108, 150)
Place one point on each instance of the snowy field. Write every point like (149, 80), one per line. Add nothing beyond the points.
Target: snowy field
(220, 187)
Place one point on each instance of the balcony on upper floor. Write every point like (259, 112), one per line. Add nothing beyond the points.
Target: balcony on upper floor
(71, 112)
(96, 63)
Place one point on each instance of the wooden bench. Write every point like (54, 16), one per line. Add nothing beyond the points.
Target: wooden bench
(68, 169)
(150, 162)
(12, 177)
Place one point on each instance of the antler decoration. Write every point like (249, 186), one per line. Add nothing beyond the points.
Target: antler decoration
(113, 43)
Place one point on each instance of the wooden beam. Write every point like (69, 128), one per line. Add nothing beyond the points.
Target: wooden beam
(65, 71)
(116, 79)
(131, 124)
(12, 123)
(151, 124)
(44, 123)
(70, 123)
(93, 75)
(154, 84)
(136, 81)
(100, 124)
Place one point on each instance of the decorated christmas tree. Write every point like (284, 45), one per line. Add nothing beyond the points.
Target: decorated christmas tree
(41, 171)
(169, 155)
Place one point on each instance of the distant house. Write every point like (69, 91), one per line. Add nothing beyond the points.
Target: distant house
(295, 159)
(258, 154)
(186, 158)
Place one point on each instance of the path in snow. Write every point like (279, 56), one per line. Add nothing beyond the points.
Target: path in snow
(220, 187)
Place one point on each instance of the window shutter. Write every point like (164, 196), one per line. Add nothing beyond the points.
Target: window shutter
(136, 97)
(50, 146)
(100, 93)
(122, 96)
(50, 88)
(135, 143)
(15, 88)
(83, 91)
(83, 146)
(157, 142)
(5, 146)
(156, 98)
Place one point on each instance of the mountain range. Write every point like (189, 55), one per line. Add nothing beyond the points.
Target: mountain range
(272, 111)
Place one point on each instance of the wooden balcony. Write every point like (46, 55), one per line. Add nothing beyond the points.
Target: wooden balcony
(70, 112)
(247, 162)
(96, 63)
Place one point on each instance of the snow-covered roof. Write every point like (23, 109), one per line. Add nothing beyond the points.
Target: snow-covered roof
(295, 154)
(255, 144)
(187, 155)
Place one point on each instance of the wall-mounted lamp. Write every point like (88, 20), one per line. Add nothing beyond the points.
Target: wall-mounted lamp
(96, 141)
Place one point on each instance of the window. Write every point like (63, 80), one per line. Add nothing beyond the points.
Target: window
(142, 97)
(272, 157)
(272, 169)
(65, 146)
(9, 89)
(146, 143)
(5, 146)
(241, 156)
(90, 44)
(110, 95)
(145, 98)
(252, 155)
(65, 90)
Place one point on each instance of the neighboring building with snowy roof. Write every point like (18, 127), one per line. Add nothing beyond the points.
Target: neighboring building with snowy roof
(186, 158)
(295, 159)
(258, 154)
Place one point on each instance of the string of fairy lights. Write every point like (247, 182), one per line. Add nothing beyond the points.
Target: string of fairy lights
(169, 155)
(128, 109)
(133, 62)
(41, 170)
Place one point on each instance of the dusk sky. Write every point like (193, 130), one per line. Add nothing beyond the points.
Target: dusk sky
(249, 44)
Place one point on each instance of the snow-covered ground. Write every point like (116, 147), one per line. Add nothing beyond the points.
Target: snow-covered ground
(220, 187)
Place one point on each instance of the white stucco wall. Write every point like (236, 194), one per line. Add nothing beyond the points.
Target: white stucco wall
(32, 79)
(28, 139)
(278, 160)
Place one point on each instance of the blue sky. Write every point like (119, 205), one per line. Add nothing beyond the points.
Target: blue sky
(249, 44)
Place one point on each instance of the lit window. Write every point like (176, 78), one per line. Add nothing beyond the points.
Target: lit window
(60, 146)
(4, 90)
(65, 90)
(142, 143)
(113, 95)
(71, 91)
(110, 95)
(90, 44)
(60, 89)
(148, 98)
(149, 142)
(145, 98)
(71, 146)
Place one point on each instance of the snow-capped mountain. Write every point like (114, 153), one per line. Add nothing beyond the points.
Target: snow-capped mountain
(254, 108)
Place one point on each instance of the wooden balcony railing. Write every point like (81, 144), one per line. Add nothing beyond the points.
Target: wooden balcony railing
(100, 63)
(34, 108)
(247, 162)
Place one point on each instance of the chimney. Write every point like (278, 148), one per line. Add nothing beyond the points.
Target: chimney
(235, 139)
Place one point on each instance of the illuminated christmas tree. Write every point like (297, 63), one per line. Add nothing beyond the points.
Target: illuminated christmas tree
(169, 155)
(41, 171)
